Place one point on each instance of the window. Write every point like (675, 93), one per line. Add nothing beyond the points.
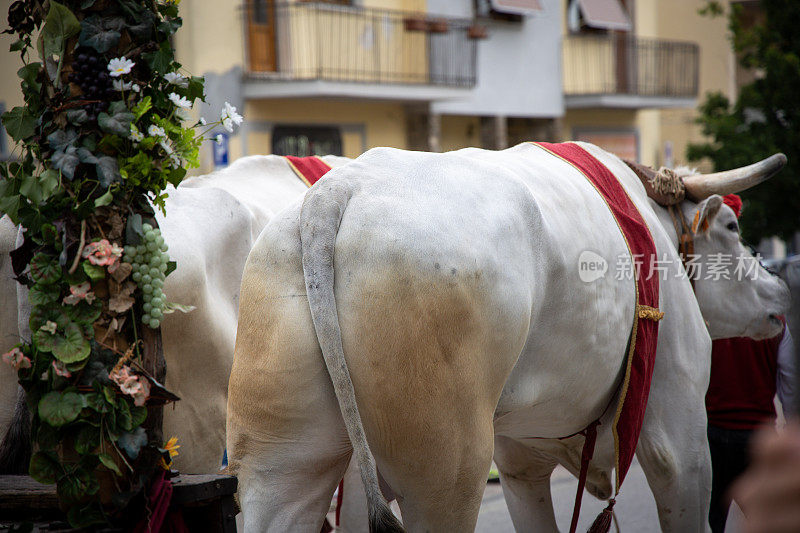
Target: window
(303, 141)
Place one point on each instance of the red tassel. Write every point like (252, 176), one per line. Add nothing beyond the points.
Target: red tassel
(602, 524)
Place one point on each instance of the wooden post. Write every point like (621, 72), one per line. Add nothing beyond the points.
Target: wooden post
(155, 365)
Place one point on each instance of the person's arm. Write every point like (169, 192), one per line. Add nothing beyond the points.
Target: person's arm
(769, 491)
(787, 374)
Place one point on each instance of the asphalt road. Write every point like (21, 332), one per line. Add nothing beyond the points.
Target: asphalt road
(635, 507)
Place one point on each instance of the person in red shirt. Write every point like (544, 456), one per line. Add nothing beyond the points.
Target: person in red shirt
(745, 377)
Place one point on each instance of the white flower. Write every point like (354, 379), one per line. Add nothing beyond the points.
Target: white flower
(119, 66)
(136, 135)
(156, 131)
(218, 138)
(175, 160)
(167, 148)
(121, 85)
(136, 88)
(176, 79)
(180, 101)
(230, 117)
(202, 121)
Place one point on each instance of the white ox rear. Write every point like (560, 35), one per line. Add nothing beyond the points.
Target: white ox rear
(462, 324)
(211, 223)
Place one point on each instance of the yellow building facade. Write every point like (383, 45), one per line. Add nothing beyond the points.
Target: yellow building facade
(343, 76)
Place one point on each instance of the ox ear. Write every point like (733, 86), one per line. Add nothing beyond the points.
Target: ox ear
(706, 211)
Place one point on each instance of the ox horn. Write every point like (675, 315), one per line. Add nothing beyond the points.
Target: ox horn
(701, 186)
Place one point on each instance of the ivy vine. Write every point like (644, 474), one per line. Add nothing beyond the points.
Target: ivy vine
(106, 128)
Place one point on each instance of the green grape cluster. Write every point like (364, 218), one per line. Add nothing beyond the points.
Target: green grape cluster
(149, 260)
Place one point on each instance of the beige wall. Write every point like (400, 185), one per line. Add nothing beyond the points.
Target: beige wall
(212, 37)
(10, 92)
(383, 123)
(672, 20)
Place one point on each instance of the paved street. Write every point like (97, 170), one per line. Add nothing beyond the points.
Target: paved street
(635, 508)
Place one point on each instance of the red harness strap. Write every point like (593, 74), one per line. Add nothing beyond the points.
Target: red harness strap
(309, 169)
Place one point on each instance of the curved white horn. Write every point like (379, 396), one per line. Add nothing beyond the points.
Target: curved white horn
(701, 186)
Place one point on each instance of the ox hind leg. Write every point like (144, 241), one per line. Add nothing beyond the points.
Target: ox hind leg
(285, 435)
(525, 478)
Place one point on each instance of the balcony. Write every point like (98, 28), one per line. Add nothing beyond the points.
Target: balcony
(623, 71)
(317, 49)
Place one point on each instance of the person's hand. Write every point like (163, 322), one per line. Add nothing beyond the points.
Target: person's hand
(769, 492)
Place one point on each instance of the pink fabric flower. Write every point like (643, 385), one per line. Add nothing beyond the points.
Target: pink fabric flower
(102, 252)
(16, 359)
(131, 384)
(60, 369)
(80, 292)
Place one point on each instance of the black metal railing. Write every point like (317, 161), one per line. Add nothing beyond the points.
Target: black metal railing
(326, 41)
(628, 65)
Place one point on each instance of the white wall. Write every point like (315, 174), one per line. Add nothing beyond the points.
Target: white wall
(519, 65)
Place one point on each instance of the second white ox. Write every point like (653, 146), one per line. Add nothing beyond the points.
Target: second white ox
(443, 290)
(211, 224)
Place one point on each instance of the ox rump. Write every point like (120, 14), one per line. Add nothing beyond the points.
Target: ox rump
(425, 312)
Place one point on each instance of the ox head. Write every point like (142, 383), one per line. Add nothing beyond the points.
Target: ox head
(737, 296)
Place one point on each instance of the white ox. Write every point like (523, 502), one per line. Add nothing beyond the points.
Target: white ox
(212, 222)
(460, 330)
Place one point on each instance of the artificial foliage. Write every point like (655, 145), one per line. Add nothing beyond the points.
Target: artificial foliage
(105, 130)
(764, 118)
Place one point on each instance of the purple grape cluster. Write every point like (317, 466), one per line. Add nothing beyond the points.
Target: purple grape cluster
(91, 75)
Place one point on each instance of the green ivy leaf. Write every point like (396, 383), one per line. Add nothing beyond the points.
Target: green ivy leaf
(60, 140)
(133, 231)
(107, 171)
(49, 182)
(10, 206)
(101, 33)
(73, 346)
(29, 74)
(160, 61)
(59, 26)
(195, 89)
(105, 199)
(86, 156)
(117, 120)
(19, 123)
(45, 468)
(60, 408)
(109, 463)
(30, 189)
(66, 161)
(77, 116)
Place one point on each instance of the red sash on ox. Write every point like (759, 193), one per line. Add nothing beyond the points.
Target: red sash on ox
(309, 169)
(644, 336)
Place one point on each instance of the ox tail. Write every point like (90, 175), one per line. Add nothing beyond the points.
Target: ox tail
(320, 217)
(15, 450)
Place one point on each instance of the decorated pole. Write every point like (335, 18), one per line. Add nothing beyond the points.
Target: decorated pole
(105, 129)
